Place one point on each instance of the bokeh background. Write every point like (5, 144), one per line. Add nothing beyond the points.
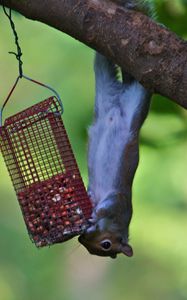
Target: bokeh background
(158, 269)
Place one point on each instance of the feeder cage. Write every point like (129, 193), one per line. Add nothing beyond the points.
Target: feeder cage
(44, 172)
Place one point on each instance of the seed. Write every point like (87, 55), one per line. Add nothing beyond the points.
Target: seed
(23, 202)
(36, 221)
(61, 189)
(42, 215)
(21, 196)
(37, 203)
(41, 244)
(57, 177)
(49, 186)
(45, 232)
(56, 198)
(39, 229)
(46, 222)
(32, 217)
(66, 180)
(64, 214)
(67, 231)
(60, 227)
(51, 222)
(59, 221)
(59, 236)
(46, 208)
(36, 238)
(31, 208)
(31, 198)
(79, 211)
(67, 223)
(53, 215)
(30, 225)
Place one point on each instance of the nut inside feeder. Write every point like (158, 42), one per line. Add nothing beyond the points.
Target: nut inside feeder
(44, 172)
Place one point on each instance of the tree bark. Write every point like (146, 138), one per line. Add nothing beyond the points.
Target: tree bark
(150, 52)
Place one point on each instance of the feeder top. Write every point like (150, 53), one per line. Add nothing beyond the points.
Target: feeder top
(49, 105)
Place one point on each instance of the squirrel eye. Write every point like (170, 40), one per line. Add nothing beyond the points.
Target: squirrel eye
(106, 244)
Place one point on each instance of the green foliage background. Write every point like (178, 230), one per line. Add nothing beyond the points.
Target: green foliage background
(158, 269)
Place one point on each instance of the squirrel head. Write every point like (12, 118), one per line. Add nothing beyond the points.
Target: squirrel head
(105, 243)
(108, 233)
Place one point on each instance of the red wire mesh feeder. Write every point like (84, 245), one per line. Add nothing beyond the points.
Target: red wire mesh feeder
(45, 175)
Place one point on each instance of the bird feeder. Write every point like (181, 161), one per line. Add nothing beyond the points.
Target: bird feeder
(44, 173)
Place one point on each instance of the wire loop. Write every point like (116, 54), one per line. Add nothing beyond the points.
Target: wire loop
(34, 81)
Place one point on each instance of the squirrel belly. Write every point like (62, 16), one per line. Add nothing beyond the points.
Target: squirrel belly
(112, 137)
(107, 137)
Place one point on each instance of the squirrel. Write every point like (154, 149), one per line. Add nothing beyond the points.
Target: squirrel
(113, 155)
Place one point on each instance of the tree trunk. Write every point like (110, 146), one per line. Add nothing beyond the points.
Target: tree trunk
(150, 52)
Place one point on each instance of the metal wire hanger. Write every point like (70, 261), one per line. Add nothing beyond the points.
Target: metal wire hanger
(20, 62)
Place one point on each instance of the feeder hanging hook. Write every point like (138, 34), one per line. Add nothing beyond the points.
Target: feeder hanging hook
(19, 52)
(21, 75)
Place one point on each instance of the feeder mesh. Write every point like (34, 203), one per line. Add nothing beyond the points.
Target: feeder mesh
(44, 172)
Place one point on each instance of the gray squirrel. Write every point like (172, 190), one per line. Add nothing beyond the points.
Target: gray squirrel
(113, 155)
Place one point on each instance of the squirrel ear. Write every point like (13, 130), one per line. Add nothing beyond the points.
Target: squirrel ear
(127, 250)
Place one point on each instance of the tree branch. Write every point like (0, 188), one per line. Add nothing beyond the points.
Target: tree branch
(151, 53)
